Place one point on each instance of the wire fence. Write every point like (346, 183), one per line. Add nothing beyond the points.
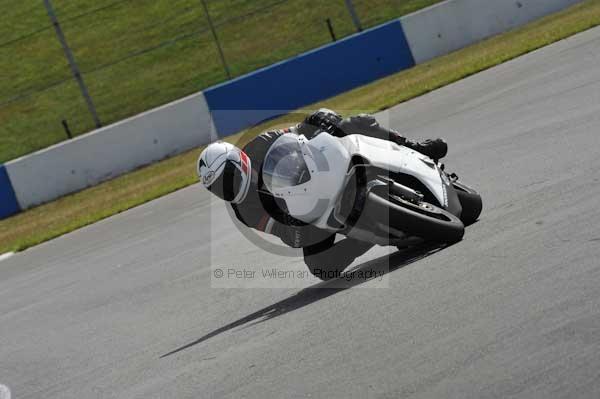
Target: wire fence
(132, 55)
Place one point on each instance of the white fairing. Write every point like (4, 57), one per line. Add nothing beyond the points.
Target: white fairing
(396, 158)
(328, 160)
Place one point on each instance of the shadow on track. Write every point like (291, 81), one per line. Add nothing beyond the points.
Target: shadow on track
(307, 296)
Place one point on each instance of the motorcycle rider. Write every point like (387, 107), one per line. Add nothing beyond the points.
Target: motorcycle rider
(235, 175)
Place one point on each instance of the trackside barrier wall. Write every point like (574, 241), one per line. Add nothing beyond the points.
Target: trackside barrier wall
(454, 24)
(110, 151)
(8, 201)
(309, 77)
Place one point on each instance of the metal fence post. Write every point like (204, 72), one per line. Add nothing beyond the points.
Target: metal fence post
(331, 31)
(354, 15)
(218, 44)
(72, 63)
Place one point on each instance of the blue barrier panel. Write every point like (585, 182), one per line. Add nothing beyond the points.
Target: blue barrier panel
(8, 200)
(308, 78)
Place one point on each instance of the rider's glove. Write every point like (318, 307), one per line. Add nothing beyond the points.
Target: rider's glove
(299, 236)
(324, 120)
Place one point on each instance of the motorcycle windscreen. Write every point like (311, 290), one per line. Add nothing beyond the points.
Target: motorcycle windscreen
(284, 165)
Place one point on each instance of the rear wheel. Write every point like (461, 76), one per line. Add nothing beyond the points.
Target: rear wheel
(420, 219)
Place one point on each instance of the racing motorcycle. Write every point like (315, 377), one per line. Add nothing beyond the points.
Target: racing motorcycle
(368, 189)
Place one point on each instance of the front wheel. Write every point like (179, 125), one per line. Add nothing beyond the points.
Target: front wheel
(471, 203)
(420, 219)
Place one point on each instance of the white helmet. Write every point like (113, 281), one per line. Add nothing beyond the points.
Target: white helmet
(225, 171)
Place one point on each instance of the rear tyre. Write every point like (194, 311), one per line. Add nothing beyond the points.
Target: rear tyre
(419, 219)
(471, 203)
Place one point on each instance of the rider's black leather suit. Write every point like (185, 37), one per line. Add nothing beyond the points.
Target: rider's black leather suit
(263, 212)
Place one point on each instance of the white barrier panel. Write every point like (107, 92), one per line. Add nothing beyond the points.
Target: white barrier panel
(454, 24)
(111, 151)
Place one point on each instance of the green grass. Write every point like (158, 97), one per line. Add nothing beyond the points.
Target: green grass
(120, 86)
(77, 210)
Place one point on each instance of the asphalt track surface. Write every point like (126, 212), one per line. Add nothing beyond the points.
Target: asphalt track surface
(125, 308)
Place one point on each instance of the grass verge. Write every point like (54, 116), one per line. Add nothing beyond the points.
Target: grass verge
(137, 54)
(88, 206)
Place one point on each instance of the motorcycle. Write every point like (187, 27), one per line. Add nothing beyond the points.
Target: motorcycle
(368, 189)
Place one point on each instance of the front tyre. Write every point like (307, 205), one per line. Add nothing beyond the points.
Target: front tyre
(420, 219)
(471, 203)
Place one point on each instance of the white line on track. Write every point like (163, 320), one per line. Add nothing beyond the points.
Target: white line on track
(4, 391)
(6, 256)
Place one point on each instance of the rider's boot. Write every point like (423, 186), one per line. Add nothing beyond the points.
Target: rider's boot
(435, 149)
